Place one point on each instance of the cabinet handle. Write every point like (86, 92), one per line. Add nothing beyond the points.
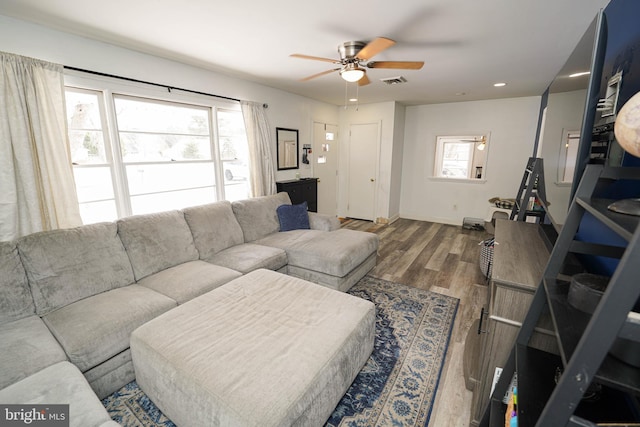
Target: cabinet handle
(482, 313)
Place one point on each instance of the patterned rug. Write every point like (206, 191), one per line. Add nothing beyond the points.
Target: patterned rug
(397, 385)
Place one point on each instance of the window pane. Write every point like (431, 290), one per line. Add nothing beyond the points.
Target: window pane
(461, 157)
(145, 179)
(455, 160)
(86, 141)
(83, 110)
(93, 183)
(87, 147)
(234, 152)
(93, 212)
(173, 200)
(137, 114)
(138, 147)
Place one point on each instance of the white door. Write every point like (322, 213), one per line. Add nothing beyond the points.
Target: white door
(325, 150)
(363, 156)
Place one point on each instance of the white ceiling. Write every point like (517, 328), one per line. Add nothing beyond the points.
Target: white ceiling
(467, 45)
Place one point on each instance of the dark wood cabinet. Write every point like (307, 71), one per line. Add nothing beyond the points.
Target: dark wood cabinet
(301, 190)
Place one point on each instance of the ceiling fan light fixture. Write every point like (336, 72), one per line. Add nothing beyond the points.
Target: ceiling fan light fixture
(352, 72)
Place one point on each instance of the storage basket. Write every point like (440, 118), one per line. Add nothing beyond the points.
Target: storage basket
(486, 256)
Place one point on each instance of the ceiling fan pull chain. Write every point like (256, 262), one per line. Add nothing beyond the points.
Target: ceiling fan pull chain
(357, 96)
(346, 93)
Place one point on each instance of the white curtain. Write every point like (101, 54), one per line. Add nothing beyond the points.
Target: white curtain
(37, 190)
(262, 176)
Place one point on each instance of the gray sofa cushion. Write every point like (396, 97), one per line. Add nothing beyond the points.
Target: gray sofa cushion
(214, 227)
(15, 297)
(258, 217)
(248, 257)
(156, 241)
(61, 383)
(94, 329)
(189, 280)
(27, 347)
(335, 253)
(64, 266)
(323, 222)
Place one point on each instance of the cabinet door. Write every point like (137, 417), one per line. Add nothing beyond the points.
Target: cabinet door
(500, 339)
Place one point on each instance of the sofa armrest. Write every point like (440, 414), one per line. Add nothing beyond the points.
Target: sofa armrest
(323, 222)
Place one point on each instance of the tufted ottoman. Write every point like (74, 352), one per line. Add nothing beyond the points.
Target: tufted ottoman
(265, 349)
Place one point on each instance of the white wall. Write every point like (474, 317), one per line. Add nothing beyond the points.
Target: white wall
(396, 162)
(512, 124)
(285, 109)
(564, 113)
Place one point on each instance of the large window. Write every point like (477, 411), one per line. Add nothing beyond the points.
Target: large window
(140, 154)
(461, 157)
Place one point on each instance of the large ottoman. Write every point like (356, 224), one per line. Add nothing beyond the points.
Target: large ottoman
(265, 349)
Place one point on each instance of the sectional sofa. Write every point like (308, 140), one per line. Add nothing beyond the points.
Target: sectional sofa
(71, 298)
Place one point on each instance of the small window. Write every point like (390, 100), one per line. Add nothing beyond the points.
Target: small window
(461, 157)
(568, 155)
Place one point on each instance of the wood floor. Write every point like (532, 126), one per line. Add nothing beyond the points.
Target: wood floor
(444, 259)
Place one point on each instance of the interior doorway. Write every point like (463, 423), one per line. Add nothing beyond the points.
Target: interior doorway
(364, 141)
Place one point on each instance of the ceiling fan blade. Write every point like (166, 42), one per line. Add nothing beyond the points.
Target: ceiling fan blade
(374, 47)
(402, 65)
(364, 81)
(319, 74)
(315, 58)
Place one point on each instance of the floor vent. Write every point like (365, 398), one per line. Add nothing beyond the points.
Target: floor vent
(394, 80)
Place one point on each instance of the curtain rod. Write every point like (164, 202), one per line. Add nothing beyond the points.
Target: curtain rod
(169, 88)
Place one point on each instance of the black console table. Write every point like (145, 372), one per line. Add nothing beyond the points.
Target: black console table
(301, 190)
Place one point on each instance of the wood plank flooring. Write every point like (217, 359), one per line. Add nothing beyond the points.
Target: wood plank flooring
(440, 258)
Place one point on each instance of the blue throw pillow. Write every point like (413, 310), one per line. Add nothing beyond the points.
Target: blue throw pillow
(293, 217)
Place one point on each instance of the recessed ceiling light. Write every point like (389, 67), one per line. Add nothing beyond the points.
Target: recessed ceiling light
(353, 99)
(583, 73)
(499, 84)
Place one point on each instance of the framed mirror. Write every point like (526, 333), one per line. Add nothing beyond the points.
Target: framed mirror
(287, 147)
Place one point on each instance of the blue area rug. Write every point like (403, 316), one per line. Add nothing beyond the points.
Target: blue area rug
(397, 385)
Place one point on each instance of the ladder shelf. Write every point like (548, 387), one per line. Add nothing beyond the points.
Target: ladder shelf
(531, 187)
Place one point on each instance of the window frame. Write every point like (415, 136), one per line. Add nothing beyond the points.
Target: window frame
(474, 140)
(568, 136)
(108, 88)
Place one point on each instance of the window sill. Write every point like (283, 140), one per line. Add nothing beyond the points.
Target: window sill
(458, 180)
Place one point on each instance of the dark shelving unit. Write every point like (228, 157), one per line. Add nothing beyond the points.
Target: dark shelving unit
(558, 390)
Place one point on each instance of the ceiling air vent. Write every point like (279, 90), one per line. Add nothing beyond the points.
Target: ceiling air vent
(394, 80)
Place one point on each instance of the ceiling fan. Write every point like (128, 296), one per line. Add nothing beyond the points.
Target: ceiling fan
(482, 141)
(354, 60)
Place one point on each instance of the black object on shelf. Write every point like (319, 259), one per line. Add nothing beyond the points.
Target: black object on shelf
(301, 190)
